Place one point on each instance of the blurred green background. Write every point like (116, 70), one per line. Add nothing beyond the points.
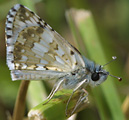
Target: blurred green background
(111, 18)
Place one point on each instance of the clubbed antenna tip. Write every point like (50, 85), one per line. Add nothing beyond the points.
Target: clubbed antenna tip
(114, 57)
(119, 78)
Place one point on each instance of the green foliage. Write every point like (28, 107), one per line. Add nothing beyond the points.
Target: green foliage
(106, 93)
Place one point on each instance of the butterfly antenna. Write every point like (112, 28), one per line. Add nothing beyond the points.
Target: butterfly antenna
(113, 59)
(119, 78)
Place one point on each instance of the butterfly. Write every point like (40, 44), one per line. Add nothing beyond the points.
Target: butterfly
(35, 51)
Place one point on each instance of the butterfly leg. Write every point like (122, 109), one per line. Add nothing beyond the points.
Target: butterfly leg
(78, 87)
(54, 90)
(81, 99)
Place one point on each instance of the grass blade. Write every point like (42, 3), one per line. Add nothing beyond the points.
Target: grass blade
(105, 93)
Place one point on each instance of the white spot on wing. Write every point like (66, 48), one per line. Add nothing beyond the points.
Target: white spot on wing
(10, 48)
(24, 58)
(24, 66)
(44, 43)
(9, 32)
(21, 40)
(36, 19)
(60, 51)
(10, 19)
(43, 61)
(37, 52)
(45, 36)
(40, 47)
(10, 65)
(32, 35)
(9, 25)
(17, 6)
(33, 21)
(27, 14)
(21, 23)
(59, 60)
(28, 22)
(40, 67)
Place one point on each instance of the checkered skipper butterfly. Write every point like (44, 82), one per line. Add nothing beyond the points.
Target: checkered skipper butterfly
(37, 52)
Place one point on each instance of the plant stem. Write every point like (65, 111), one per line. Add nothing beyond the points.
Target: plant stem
(19, 107)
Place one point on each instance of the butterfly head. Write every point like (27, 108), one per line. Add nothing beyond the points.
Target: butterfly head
(97, 75)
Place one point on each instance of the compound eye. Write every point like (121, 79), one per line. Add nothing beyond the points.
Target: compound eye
(95, 76)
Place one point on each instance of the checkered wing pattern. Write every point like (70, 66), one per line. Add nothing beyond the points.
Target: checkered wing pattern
(34, 50)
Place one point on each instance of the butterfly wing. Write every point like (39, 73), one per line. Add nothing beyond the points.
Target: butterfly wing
(35, 50)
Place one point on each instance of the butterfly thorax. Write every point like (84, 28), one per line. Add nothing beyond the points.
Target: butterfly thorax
(75, 77)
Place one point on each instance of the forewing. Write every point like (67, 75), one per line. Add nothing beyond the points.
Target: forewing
(32, 45)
